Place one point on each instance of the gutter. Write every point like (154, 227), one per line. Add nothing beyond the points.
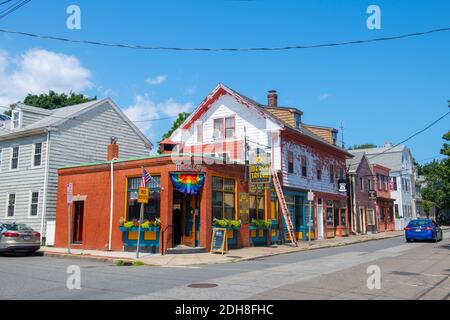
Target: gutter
(46, 174)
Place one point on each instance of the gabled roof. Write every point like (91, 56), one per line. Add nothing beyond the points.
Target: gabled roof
(354, 163)
(222, 89)
(57, 117)
(390, 157)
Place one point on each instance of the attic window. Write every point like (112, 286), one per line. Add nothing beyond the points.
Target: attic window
(298, 121)
(15, 119)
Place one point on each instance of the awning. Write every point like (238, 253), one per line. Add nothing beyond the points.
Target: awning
(188, 183)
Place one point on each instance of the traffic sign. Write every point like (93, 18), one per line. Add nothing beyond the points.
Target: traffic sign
(310, 196)
(70, 193)
(143, 195)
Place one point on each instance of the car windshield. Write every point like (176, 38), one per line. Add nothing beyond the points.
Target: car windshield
(16, 227)
(419, 223)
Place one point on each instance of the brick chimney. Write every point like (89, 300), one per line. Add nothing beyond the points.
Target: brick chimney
(272, 99)
(113, 149)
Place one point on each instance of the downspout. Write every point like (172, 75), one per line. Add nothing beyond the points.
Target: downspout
(111, 205)
(47, 168)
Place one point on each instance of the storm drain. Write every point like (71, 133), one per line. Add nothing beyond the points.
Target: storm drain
(404, 273)
(203, 285)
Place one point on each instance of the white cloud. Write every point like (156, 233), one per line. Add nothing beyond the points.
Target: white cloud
(157, 80)
(190, 91)
(145, 108)
(37, 71)
(324, 96)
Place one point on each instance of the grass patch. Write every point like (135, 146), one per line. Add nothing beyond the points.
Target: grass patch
(138, 263)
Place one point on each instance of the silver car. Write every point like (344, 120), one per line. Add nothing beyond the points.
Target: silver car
(18, 238)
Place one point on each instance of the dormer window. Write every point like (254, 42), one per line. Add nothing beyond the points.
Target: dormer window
(15, 119)
(298, 121)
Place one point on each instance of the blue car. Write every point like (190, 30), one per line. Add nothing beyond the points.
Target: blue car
(423, 229)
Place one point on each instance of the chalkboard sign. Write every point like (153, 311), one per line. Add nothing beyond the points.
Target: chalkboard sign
(219, 240)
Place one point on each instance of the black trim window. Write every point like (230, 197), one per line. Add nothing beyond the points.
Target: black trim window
(37, 159)
(223, 198)
(330, 210)
(34, 203)
(304, 167)
(152, 209)
(394, 180)
(11, 205)
(331, 173)
(15, 158)
(290, 159)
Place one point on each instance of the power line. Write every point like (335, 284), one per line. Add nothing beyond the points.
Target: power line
(12, 8)
(142, 47)
(4, 2)
(412, 136)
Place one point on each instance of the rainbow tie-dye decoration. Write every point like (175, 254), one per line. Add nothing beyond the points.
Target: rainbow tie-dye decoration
(187, 183)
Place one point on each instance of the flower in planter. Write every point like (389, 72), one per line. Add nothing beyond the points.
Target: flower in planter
(261, 224)
(135, 222)
(234, 224)
(157, 222)
(128, 224)
(146, 224)
(121, 221)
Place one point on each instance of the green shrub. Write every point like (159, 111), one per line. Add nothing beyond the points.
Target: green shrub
(120, 263)
(129, 224)
(262, 224)
(138, 263)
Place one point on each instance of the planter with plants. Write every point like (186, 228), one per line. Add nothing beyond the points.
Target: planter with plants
(149, 237)
(232, 227)
(258, 232)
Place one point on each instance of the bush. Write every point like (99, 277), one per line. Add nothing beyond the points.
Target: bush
(138, 263)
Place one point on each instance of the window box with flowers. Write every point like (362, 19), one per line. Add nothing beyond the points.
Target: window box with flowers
(149, 236)
(258, 232)
(233, 227)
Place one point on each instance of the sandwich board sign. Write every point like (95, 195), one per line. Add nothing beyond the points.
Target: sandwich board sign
(219, 243)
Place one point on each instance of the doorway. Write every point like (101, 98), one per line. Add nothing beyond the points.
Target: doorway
(186, 219)
(320, 219)
(78, 219)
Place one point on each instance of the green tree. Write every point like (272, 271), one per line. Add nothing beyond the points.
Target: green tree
(176, 124)
(363, 146)
(53, 100)
(437, 175)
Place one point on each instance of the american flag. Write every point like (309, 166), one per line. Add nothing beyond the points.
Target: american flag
(146, 178)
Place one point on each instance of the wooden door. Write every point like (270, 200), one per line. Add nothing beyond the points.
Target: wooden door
(189, 220)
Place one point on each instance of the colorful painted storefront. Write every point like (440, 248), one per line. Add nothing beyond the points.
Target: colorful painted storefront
(175, 214)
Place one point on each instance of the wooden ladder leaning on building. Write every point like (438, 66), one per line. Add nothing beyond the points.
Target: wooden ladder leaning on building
(284, 209)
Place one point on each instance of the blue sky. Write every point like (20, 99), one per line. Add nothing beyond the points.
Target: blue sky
(381, 91)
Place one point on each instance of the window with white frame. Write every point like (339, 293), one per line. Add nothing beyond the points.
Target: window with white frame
(15, 158)
(37, 154)
(361, 184)
(34, 203)
(371, 217)
(230, 127)
(11, 208)
(218, 129)
(15, 119)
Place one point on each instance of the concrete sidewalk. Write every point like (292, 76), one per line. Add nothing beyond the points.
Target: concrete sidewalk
(196, 259)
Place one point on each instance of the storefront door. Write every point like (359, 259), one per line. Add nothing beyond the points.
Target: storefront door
(191, 220)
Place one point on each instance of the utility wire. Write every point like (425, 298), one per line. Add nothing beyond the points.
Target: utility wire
(13, 8)
(4, 2)
(142, 47)
(412, 136)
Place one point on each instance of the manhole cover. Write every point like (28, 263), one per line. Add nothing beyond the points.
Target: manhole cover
(203, 285)
(403, 273)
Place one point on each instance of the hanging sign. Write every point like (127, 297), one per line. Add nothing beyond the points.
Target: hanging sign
(260, 169)
(372, 195)
(342, 186)
(143, 195)
(219, 243)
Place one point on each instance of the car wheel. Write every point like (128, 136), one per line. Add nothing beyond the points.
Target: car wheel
(30, 253)
(408, 240)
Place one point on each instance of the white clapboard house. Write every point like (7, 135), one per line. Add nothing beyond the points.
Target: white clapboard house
(35, 142)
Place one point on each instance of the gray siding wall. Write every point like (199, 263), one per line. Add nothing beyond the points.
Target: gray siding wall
(22, 181)
(85, 140)
(30, 118)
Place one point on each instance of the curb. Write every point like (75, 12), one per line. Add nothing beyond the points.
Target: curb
(312, 248)
(302, 249)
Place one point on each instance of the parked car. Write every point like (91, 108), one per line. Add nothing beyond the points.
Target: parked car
(423, 229)
(19, 238)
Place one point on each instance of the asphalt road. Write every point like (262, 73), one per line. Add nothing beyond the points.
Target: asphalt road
(408, 271)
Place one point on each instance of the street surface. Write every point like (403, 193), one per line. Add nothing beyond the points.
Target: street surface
(408, 271)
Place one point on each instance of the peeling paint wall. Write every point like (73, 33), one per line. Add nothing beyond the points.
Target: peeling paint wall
(315, 159)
